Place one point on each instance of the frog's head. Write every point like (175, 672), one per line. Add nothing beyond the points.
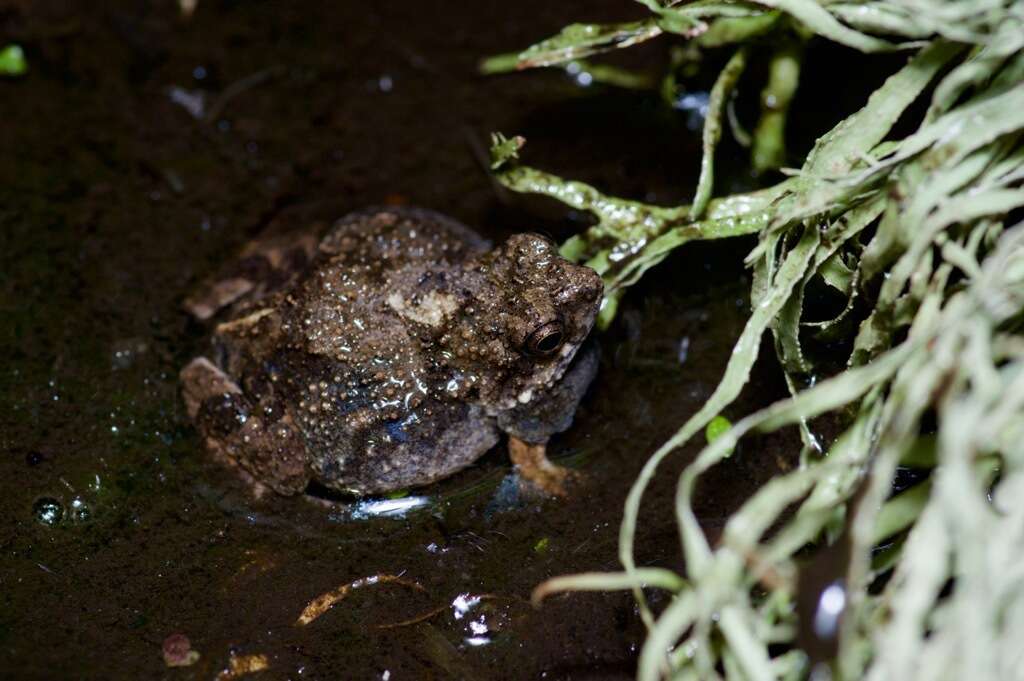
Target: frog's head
(536, 311)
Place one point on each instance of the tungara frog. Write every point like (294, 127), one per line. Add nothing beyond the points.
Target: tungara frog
(391, 353)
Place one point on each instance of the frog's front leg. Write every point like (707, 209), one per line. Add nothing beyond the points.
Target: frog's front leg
(239, 432)
(530, 427)
(534, 466)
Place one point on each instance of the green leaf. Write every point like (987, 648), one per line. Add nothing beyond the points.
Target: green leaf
(818, 19)
(574, 42)
(723, 88)
(769, 149)
(610, 581)
(504, 151)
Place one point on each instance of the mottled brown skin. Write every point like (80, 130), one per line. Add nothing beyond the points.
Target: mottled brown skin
(391, 354)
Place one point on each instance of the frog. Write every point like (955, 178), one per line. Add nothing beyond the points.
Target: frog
(391, 352)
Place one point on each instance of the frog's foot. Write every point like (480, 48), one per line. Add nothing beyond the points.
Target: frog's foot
(535, 468)
(266, 454)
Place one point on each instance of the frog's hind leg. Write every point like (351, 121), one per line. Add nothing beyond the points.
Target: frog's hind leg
(266, 453)
(267, 264)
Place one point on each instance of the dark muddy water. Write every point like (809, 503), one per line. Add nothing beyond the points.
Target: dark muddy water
(140, 152)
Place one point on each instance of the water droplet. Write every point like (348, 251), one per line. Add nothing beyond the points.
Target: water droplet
(48, 511)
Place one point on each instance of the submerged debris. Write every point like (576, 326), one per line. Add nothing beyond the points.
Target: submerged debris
(240, 665)
(177, 651)
(188, 7)
(325, 601)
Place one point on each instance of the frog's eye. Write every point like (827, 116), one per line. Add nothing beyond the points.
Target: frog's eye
(545, 340)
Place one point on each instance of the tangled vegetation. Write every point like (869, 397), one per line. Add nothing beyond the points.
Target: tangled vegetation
(916, 233)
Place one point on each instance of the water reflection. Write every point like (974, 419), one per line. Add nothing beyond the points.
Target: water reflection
(387, 508)
(831, 604)
(477, 621)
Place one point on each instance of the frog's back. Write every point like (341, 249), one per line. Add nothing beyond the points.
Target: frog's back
(392, 238)
(355, 302)
(374, 240)
(372, 411)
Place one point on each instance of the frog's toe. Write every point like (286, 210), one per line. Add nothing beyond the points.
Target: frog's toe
(538, 472)
(201, 379)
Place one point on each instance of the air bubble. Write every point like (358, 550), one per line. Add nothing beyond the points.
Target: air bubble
(48, 511)
(79, 511)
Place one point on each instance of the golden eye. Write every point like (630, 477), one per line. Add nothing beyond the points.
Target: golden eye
(545, 340)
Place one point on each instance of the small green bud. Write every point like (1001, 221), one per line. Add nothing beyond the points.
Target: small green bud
(716, 428)
(12, 61)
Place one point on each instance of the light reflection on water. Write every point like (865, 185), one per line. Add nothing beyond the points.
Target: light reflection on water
(481, 633)
(388, 508)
